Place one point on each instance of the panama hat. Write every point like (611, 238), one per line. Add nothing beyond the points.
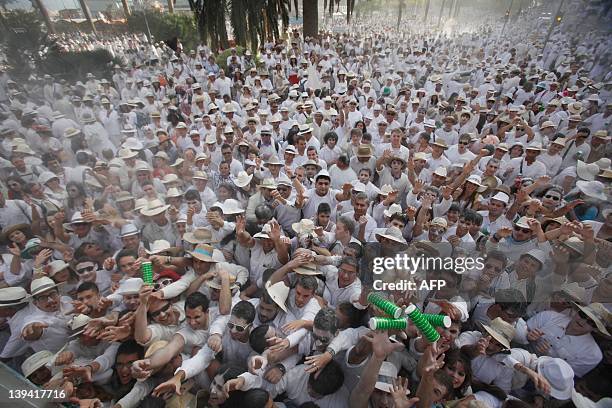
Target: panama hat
(57, 266)
(173, 192)
(203, 252)
(199, 236)
(242, 179)
(268, 183)
(475, 179)
(128, 230)
(231, 207)
(598, 314)
(36, 361)
(264, 234)
(77, 324)
(308, 269)
(126, 154)
(13, 296)
(130, 286)
(523, 222)
(393, 234)
(594, 189)
(279, 292)
(273, 160)
(71, 132)
(559, 375)
(123, 196)
(574, 291)
(200, 175)
(501, 331)
(158, 246)
(41, 285)
(586, 171)
(154, 207)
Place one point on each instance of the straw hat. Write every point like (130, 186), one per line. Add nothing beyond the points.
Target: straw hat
(523, 222)
(475, 179)
(123, 196)
(199, 236)
(231, 207)
(36, 361)
(574, 291)
(559, 375)
(154, 207)
(130, 286)
(598, 314)
(594, 189)
(264, 234)
(160, 245)
(279, 292)
(393, 234)
(170, 178)
(242, 180)
(268, 183)
(13, 296)
(7, 231)
(77, 324)
(364, 151)
(501, 331)
(200, 175)
(71, 132)
(126, 154)
(57, 266)
(128, 230)
(173, 192)
(586, 171)
(203, 252)
(308, 269)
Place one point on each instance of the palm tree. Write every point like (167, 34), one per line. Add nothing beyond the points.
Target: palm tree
(251, 20)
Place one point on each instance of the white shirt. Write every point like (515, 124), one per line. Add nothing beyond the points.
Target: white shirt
(581, 352)
(488, 369)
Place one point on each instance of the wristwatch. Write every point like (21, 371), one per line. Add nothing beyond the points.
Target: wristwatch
(331, 351)
(282, 368)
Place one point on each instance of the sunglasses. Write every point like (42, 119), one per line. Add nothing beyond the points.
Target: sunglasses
(552, 197)
(160, 311)
(464, 143)
(519, 229)
(86, 269)
(47, 297)
(236, 327)
(162, 284)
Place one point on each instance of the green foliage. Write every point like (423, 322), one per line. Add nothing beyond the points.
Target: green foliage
(75, 65)
(222, 57)
(165, 26)
(22, 39)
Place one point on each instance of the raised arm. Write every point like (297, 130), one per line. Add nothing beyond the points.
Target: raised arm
(244, 238)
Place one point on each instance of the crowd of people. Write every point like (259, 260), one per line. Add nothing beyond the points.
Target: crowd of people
(263, 189)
